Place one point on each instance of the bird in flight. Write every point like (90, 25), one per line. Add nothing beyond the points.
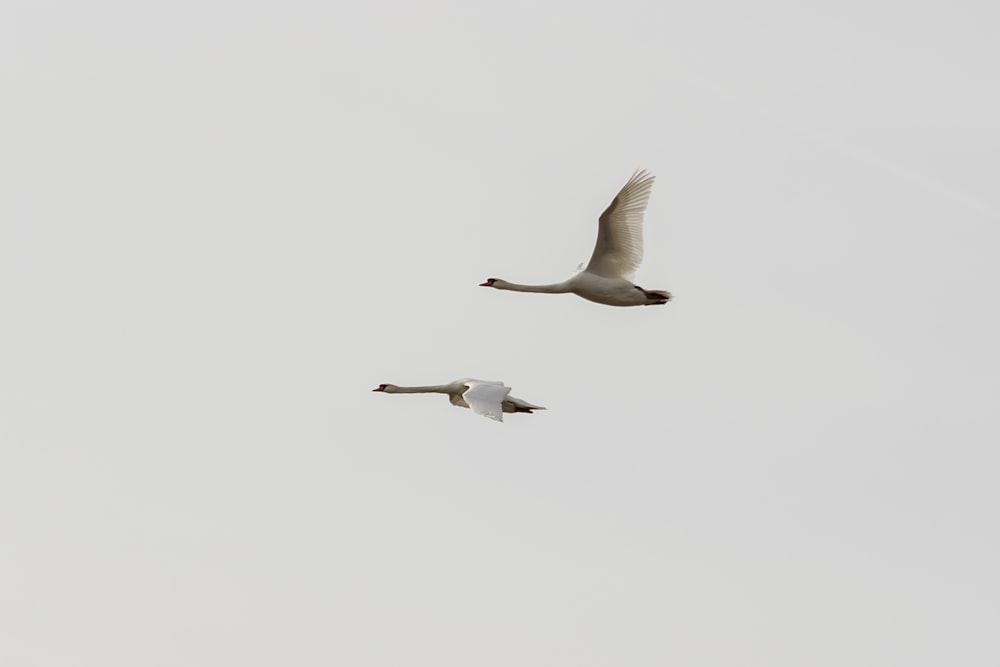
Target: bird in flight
(484, 397)
(608, 277)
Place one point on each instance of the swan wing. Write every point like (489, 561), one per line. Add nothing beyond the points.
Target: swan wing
(618, 252)
(486, 398)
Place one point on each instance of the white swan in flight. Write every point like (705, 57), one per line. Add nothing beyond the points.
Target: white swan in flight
(484, 397)
(618, 253)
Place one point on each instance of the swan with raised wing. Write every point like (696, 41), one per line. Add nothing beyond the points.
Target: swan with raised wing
(608, 277)
(484, 397)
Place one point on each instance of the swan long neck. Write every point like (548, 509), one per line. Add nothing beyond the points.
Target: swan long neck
(554, 288)
(428, 389)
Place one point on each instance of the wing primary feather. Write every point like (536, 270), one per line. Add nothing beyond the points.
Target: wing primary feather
(486, 398)
(619, 248)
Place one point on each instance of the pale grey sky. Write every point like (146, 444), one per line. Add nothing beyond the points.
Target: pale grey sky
(224, 223)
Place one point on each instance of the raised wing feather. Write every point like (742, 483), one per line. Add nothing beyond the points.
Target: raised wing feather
(486, 398)
(618, 252)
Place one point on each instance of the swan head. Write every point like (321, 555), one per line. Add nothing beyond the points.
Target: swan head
(490, 282)
(385, 387)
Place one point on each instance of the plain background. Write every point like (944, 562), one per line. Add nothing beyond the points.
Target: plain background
(224, 223)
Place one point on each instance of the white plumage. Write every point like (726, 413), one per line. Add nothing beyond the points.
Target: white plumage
(488, 398)
(617, 254)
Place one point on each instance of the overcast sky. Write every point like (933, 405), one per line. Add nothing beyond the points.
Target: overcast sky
(223, 224)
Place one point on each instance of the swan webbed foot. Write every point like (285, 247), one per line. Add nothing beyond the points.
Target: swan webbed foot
(656, 297)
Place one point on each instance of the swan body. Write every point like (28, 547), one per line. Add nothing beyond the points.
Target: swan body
(484, 397)
(608, 277)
